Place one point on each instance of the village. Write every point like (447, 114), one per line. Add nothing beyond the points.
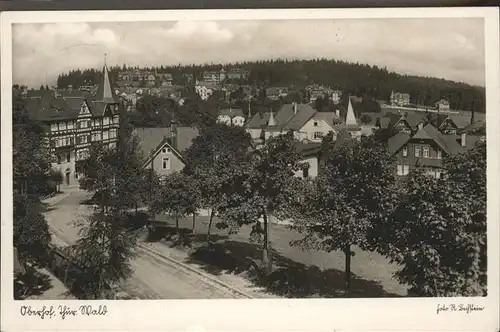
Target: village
(186, 186)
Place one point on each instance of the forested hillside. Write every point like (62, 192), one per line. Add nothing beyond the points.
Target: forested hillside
(352, 78)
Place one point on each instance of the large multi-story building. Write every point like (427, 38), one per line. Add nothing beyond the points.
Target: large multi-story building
(400, 99)
(75, 123)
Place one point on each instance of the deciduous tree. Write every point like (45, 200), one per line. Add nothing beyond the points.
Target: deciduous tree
(437, 233)
(338, 209)
(212, 160)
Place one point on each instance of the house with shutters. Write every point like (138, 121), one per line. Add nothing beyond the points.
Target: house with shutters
(163, 148)
(75, 123)
(426, 149)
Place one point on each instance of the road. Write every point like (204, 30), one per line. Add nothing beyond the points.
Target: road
(367, 265)
(152, 278)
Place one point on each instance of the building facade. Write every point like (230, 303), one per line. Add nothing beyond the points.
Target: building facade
(75, 124)
(399, 99)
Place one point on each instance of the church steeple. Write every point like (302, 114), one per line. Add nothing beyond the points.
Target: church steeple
(105, 93)
(271, 121)
(350, 119)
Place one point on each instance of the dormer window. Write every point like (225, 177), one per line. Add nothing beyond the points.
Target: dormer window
(405, 152)
(439, 154)
(166, 150)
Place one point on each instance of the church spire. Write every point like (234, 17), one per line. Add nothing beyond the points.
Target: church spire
(350, 119)
(105, 92)
(271, 121)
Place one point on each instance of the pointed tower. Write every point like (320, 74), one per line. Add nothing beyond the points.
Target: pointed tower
(351, 123)
(350, 119)
(271, 121)
(105, 93)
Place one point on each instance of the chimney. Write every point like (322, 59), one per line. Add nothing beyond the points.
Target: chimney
(337, 113)
(420, 125)
(173, 134)
(294, 104)
(463, 139)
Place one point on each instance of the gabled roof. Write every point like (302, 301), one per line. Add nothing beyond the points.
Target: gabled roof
(231, 112)
(286, 113)
(460, 120)
(397, 141)
(414, 119)
(447, 143)
(258, 120)
(152, 139)
(303, 115)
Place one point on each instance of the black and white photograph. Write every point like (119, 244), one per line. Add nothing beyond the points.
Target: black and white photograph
(274, 159)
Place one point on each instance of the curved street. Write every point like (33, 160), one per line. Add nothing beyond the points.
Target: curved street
(153, 278)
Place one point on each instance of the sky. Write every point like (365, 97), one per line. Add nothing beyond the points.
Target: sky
(450, 48)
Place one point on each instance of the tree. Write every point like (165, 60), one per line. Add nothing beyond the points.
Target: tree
(339, 208)
(437, 233)
(106, 246)
(210, 161)
(365, 119)
(103, 252)
(30, 153)
(30, 229)
(57, 177)
(268, 188)
(176, 197)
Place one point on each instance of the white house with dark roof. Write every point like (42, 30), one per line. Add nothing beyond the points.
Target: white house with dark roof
(301, 119)
(231, 117)
(163, 148)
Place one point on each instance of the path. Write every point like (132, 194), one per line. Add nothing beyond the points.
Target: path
(152, 278)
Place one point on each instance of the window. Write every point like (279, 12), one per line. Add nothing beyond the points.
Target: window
(305, 173)
(403, 169)
(68, 157)
(62, 126)
(70, 125)
(53, 127)
(105, 135)
(418, 151)
(438, 174)
(106, 121)
(59, 159)
(315, 123)
(426, 152)
(166, 163)
(83, 139)
(318, 135)
(405, 151)
(166, 150)
(439, 154)
(83, 124)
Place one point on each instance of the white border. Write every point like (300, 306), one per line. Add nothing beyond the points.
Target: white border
(272, 315)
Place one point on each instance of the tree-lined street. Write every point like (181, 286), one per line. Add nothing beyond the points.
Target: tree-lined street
(152, 278)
